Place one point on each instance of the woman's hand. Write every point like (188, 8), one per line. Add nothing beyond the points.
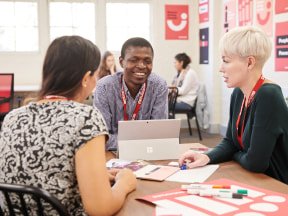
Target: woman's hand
(193, 159)
(112, 174)
(127, 176)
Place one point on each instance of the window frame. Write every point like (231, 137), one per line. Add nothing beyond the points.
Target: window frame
(38, 30)
(73, 1)
(149, 2)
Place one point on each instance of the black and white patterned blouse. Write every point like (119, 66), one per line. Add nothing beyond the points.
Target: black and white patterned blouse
(38, 144)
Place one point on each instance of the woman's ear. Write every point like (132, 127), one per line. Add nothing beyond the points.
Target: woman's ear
(86, 79)
(251, 61)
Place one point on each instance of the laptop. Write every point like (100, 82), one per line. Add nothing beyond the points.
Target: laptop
(149, 139)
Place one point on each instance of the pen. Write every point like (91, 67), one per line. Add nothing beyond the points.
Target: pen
(151, 171)
(204, 186)
(220, 194)
(243, 192)
(199, 149)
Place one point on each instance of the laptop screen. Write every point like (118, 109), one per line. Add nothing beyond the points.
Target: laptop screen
(149, 129)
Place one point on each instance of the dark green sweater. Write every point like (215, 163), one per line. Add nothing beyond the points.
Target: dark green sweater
(265, 136)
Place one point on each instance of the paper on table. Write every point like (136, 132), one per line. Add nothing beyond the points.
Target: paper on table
(199, 174)
(163, 211)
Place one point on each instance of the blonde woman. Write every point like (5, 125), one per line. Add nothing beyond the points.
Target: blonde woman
(257, 132)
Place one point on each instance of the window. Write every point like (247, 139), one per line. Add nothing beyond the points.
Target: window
(72, 18)
(125, 20)
(18, 26)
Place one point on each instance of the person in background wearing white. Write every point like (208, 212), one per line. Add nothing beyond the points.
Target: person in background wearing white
(186, 82)
(257, 131)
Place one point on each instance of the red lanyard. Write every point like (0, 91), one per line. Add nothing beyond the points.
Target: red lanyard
(250, 99)
(138, 105)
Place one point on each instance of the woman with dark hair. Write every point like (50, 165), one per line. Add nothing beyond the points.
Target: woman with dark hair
(58, 143)
(186, 82)
(107, 66)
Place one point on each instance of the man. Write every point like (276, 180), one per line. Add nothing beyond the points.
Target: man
(133, 94)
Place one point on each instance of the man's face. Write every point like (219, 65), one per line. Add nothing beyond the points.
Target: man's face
(137, 65)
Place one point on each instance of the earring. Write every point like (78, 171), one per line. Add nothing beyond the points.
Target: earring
(84, 85)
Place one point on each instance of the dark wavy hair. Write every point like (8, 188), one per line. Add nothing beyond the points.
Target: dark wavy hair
(183, 57)
(67, 60)
(135, 42)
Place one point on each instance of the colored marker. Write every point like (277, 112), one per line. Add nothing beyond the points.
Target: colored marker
(220, 194)
(197, 191)
(204, 186)
(183, 167)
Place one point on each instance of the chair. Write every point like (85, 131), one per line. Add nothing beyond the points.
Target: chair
(6, 94)
(172, 98)
(25, 193)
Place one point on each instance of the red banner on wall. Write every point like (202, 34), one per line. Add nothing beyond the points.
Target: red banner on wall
(264, 15)
(176, 22)
(281, 47)
(281, 6)
(245, 12)
(203, 8)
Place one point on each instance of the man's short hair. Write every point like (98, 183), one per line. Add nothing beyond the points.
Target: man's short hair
(135, 42)
(247, 41)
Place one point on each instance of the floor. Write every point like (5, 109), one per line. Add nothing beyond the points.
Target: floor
(210, 140)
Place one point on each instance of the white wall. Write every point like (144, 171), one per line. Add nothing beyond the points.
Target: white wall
(27, 66)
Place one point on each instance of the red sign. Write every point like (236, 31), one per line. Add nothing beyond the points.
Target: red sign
(245, 9)
(203, 11)
(281, 6)
(281, 47)
(176, 22)
(229, 15)
(264, 15)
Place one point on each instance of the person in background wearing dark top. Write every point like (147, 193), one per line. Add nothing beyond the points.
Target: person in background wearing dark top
(186, 82)
(133, 94)
(58, 143)
(107, 66)
(257, 132)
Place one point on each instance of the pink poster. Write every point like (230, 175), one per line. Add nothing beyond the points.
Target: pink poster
(257, 202)
(264, 15)
(281, 47)
(176, 22)
(245, 12)
(229, 14)
(203, 11)
(281, 6)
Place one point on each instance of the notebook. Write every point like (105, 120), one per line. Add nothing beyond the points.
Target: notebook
(149, 139)
(155, 172)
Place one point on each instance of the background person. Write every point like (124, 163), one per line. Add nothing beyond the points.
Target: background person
(186, 81)
(257, 132)
(58, 143)
(133, 94)
(107, 66)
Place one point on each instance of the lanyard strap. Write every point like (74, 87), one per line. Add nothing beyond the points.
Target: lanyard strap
(250, 99)
(55, 97)
(124, 101)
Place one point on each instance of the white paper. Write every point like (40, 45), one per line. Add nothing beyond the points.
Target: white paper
(176, 209)
(199, 174)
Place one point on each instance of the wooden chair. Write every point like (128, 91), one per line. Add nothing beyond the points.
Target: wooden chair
(30, 193)
(6, 94)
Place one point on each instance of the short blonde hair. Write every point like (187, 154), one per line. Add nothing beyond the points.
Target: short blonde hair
(247, 41)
